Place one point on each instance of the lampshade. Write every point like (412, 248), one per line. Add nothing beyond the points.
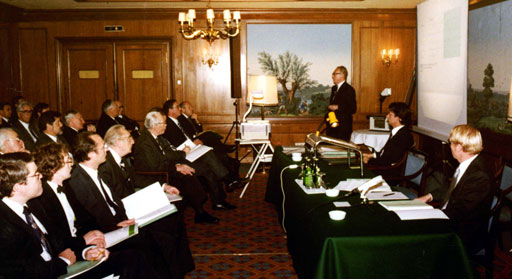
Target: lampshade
(263, 90)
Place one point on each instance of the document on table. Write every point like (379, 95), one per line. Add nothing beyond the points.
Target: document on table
(148, 205)
(341, 204)
(413, 210)
(351, 184)
(380, 196)
(80, 267)
(121, 234)
(197, 151)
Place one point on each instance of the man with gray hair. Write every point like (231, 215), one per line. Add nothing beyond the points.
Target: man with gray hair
(74, 124)
(110, 110)
(155, 154)
(9, 141)
(22, 126)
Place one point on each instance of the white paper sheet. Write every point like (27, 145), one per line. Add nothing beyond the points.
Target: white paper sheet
(380, 196)
(197, 151)
(121, 234)
(421, 214)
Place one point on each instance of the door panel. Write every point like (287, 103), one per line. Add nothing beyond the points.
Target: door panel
(142, 76)
(87, 76)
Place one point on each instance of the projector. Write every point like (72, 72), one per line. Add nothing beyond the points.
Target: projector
(256, 129)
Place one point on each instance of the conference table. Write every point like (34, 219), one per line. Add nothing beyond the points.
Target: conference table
(370, 242)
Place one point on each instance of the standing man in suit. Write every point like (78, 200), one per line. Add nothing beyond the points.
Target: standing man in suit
(110, 110)
(22, 126)
(467, 200)
(51, 129)
(400, 139)
(9, 141)
(27, 249)
(5, 113)
(343, 103)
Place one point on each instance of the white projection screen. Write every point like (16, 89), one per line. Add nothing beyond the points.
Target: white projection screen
(442, 66)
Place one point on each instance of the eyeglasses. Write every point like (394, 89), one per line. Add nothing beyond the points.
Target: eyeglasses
(26, 111)
(336, 74)
(36, 175)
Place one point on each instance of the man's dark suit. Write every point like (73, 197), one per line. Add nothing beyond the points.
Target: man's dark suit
(104, 123)
(148, 157)
(23, 134)
(20, 250)
(394, 149)
(44, 139)
(120, 182)
(70, 135)
(176, 137)
(345, 98)
(470, 203)
(192, 129)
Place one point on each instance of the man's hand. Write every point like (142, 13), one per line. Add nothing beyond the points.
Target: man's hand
(91, 128)
(69, 255)
(96, 254)
(95, 238)
(126, 223)
(426, 198)
(186, 149)
(333, 107)
(194, 116)
(367, 157)
(185, 169)
(198, 141)
(171, 189)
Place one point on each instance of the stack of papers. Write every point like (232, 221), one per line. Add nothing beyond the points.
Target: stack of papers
(413, 210)
(148, 205)
(351, 184)
(197, 151)
(114, 237)
(381, 196)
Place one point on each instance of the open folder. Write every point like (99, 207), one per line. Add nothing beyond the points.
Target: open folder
(197, 151)
(148, 205)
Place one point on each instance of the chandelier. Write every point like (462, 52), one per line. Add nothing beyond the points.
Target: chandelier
(189, 32)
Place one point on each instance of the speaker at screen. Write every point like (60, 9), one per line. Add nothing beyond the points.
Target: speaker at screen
(236, 75)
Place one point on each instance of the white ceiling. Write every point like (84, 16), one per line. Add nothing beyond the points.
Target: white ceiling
(177, 4)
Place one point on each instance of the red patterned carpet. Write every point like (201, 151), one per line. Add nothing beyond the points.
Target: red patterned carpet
(247, 243)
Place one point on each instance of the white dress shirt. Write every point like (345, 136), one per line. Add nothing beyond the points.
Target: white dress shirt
(70, 214)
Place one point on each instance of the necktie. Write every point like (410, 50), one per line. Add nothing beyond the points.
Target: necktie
(452, 186)
(59, 189)
(107, 198)
(193, 125)
(37, 231)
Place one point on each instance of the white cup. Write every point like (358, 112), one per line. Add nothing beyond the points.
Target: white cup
(337, 215)
(332, 192)
(297, 156)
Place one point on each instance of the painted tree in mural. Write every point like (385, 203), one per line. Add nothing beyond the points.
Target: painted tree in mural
(291, 72)
(488, 83)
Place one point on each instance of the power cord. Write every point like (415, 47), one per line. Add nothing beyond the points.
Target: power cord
(282, 190)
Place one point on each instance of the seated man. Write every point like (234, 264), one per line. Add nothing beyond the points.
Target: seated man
(9, 141)
(467, 200)
(22, 126)
(110, 110)
(74, 124)
(399, 142)
(131, 125)
(28, 250)
(177, 136)
(5, 114)
(153, 153)
(54, 164)
(50, 127)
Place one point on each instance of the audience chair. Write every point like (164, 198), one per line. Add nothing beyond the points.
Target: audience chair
(485, 256)
(505, 220)
(415, 172)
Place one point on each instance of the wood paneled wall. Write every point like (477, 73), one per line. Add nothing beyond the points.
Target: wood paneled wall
(36, 38)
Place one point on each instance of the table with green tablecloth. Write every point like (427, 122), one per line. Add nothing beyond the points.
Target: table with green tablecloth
(370, 242)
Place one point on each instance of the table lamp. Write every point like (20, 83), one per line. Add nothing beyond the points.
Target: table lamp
(262, 91)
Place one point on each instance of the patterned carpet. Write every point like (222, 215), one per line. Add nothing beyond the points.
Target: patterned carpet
(249, 243)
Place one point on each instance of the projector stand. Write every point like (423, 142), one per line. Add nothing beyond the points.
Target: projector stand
(235, 125)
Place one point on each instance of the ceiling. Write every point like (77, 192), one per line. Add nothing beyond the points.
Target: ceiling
(231, 4)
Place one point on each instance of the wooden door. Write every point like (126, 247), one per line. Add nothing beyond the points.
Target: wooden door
(87, 77)
(142, 76)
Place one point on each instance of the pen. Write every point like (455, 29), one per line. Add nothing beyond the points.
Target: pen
(390, 194)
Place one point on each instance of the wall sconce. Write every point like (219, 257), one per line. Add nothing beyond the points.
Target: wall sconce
(209, 58)
(387, 56)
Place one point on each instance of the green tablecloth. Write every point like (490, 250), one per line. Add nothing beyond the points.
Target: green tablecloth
(370, 243)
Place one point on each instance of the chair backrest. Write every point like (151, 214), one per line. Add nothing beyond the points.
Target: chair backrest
(415, 162)
(506, 181)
